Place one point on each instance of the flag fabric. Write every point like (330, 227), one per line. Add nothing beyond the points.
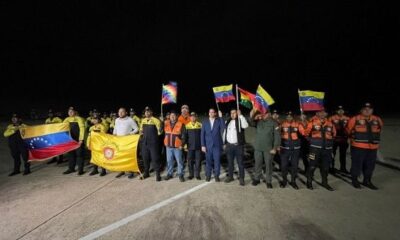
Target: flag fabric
(47, 141)
(169, 93)
(115, 153)
(311, 100)
(262, 100)
(223, 93)
(246, 98)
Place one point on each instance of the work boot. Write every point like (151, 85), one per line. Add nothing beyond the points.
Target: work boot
(208, 178)
(269, 185)
(168, 177)
(294, 185)
(190, 177)
(283, 184)
(255, 182)
(120, 174)
(228, 179)
(14, 173)
(81, 172)
(326, 185)
(198, 178)
(93, 172)
(217, 179)
(69, 171)
(241, 182)
(158, 177)
(26, 172)
(356, 183)
(181, 178)
(309, 185)
(369, 185)
(103, 173)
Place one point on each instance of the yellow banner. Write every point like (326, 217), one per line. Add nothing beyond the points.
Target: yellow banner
(114, 153)
(225, 88)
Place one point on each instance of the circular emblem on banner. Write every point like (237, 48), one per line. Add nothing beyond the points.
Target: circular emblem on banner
(295, 129)
(108, 153)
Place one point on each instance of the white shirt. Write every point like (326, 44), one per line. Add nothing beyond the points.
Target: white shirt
(125, 126)
(212, 120)
(231, 134)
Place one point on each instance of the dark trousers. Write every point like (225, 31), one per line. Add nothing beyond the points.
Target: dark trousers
(19, 151)
(342, 154)
(76, 158)
(151, 153)
(232, 152)
(194, 162)
(363, 160)
(304, 151)
(292, 157)
(213, 161)
(321, 158)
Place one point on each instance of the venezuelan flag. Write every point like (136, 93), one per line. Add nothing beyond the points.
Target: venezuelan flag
(114, 153)
(246, 98)
(169, 93)
(223, 93)
(262, 100)
(311, 100)
(48, 140)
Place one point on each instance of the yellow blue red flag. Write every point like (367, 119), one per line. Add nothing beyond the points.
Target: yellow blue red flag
(48, 140)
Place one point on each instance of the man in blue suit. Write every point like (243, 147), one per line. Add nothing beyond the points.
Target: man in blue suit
(211, 142)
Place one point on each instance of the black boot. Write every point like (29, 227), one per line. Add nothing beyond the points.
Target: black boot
(283, 183)
(93, 172)
(26, 172)
(120, 174)
(103, 172)
(309, 185)
(367, 182)
(355, 183)
(241, 181)
(131, 175)
(69, 171)
(255, 182)
(158, 177)
(14, 173)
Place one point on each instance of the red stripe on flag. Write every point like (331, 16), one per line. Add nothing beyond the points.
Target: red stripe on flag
(225, 99)
(312, 107)
(53, 151)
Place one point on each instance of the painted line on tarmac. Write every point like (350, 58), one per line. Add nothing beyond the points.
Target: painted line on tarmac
(141, 213)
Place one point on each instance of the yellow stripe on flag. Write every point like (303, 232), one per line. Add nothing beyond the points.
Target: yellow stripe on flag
(223, 88)
(309, 93)
(261, 91)
(114, 153)
(40, 130)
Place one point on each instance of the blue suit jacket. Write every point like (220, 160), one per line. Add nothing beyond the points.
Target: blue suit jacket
(212, 137)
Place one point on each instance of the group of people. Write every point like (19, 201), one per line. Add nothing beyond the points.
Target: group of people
(184, 138)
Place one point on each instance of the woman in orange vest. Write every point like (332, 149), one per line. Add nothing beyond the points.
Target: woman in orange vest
(175, 138)
(321, 132)
(364, 131)
(290, 149)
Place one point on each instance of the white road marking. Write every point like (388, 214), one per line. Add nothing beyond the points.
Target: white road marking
(141, 213)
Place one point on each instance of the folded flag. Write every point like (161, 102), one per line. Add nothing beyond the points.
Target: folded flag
(311, 100)
(262, 100)
(48, 140)
(223, 93)
(114, 153)
(246, 98)
(169, 93)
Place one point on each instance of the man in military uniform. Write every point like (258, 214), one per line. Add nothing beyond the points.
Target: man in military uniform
(266, 144)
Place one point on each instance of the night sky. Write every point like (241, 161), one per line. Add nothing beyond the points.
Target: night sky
(104, 55)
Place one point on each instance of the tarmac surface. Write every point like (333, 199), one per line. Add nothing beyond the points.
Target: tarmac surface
(49, 205)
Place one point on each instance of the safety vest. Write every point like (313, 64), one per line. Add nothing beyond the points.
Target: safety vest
(365, 133)
(340, 123)
(290, 134)
(173, 135)
(193, 135)
(321, 134)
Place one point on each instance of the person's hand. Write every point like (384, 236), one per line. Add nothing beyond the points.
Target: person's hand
(80, 142)
(204, 149)
(273, 151)
(220, 114)
(239, 112)
(162, 118)
(224, 147)
(180, 148)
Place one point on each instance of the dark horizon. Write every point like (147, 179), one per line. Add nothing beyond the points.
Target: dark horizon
(94, 55)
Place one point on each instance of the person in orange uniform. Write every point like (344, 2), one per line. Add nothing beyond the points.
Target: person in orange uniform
(340, 121)
(321, 133)
(290, 149)
(364, 131)
(175, 139)
(184, 118)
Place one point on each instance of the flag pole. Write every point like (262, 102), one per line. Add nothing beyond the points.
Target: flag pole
(301, 109)
(237, 106)
(162, 88)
